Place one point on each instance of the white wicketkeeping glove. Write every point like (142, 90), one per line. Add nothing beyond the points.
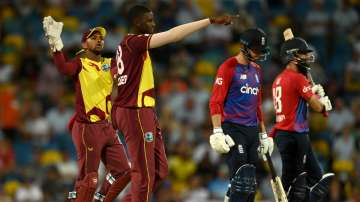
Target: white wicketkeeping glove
(326, 102)
(318, 90)
(266, 145)
(53, 30)
(220, 142)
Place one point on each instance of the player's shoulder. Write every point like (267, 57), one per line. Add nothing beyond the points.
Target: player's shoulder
(229, 63)
(255, 65)
(133, 37)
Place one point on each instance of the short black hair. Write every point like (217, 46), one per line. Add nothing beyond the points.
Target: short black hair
(135, 12)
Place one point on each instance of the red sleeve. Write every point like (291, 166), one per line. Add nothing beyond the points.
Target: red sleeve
(303, 87)
(66, 67)
(220, 88)
(139, 43)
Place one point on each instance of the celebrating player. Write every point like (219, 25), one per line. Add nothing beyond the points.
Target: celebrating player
(235, 108)
(292, 92)
(133, 111)
(92, 133)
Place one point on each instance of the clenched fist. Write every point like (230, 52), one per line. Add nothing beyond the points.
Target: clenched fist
(220, 142)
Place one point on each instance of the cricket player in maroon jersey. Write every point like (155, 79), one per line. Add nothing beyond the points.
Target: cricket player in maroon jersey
(235, 108)
(133, 110)
(292, 92)
(92, 133)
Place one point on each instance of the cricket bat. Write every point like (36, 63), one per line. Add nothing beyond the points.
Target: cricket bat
(276, 185)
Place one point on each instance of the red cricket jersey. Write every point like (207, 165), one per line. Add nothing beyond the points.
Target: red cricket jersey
(291, 90)
(134, 72)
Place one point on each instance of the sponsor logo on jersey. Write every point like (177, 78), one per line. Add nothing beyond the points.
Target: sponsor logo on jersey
(122, 80)
(280, 118)
(243, 76)
(306, 89)
(219, 81)
(249, 90)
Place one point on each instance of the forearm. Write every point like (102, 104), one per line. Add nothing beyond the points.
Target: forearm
(262, 128)
(315, 104)
(177, 33)
(216, 120)
(63, 66)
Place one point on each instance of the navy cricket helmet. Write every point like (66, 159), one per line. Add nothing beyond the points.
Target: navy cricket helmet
(256, 40)
(292, 47)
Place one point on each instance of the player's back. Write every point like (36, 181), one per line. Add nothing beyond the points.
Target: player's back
(134, 72)
(290, 91)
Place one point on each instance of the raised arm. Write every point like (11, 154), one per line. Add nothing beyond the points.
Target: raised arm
(178, 33)
(53, 31)
(69, 68)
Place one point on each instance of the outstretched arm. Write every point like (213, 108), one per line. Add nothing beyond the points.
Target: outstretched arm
(178, 33)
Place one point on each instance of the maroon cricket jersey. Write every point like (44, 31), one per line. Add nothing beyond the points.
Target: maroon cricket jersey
(93, 86)
(134, 72)
(291, 90)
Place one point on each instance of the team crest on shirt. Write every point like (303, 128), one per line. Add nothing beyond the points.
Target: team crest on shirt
(257, 78)
(149, 137)
(105, 67)
(243, 76)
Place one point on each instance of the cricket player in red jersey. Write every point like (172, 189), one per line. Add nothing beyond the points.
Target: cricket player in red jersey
(292, 92)
(92, 133)
(133, 110)
(235, 108)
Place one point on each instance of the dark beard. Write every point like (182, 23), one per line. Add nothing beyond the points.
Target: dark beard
(303, 67)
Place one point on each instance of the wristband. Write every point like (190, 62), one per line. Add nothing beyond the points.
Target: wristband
(217, 130)
(263, 135)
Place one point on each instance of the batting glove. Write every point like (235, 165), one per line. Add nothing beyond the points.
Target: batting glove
(266, 144)
(222, 20)
(318, 89)
(326, 102)
(53, 30)
(220, 142)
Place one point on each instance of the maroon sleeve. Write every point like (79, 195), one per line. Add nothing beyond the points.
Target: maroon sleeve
(70, 67)
(303, 87)
(220, 88)
(139, 43)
